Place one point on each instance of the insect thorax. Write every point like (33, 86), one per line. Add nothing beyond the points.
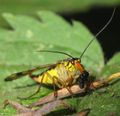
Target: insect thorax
(65, 71)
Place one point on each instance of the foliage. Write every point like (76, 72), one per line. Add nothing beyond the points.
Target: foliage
(27, 35)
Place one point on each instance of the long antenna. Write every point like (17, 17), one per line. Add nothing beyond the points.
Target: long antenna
(59, 52)
(101, 30)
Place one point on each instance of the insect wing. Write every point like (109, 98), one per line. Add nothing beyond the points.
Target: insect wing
(24, 73)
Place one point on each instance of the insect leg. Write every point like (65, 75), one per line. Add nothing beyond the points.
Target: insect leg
(38, 90)
(70, 91)
(55, 92)
(67, 85)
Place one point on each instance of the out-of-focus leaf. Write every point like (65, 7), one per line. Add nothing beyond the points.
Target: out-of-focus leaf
(52, 32)
(112, 66)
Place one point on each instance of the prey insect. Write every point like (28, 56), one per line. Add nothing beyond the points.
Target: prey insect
(62, 74)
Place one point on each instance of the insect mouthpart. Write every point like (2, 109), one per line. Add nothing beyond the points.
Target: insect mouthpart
(83, 79)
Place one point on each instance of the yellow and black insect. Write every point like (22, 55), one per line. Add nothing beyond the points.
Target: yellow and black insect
(62, 74)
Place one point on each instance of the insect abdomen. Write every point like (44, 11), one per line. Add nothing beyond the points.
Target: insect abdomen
(46, 77)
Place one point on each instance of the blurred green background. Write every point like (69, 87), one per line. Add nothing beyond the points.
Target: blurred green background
(93, 13)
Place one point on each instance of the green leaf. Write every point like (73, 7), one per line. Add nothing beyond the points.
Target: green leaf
(18, 48)
(112, 66)
(105, 101)
(51, 27)
(101, 102)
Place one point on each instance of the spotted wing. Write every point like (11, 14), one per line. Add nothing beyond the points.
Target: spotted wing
(24, 73)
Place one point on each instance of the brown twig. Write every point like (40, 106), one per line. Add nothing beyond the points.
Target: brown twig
(45, 109)
(53, 102)
(62, 93)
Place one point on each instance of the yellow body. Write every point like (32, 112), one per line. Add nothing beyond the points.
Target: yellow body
(63, 74)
